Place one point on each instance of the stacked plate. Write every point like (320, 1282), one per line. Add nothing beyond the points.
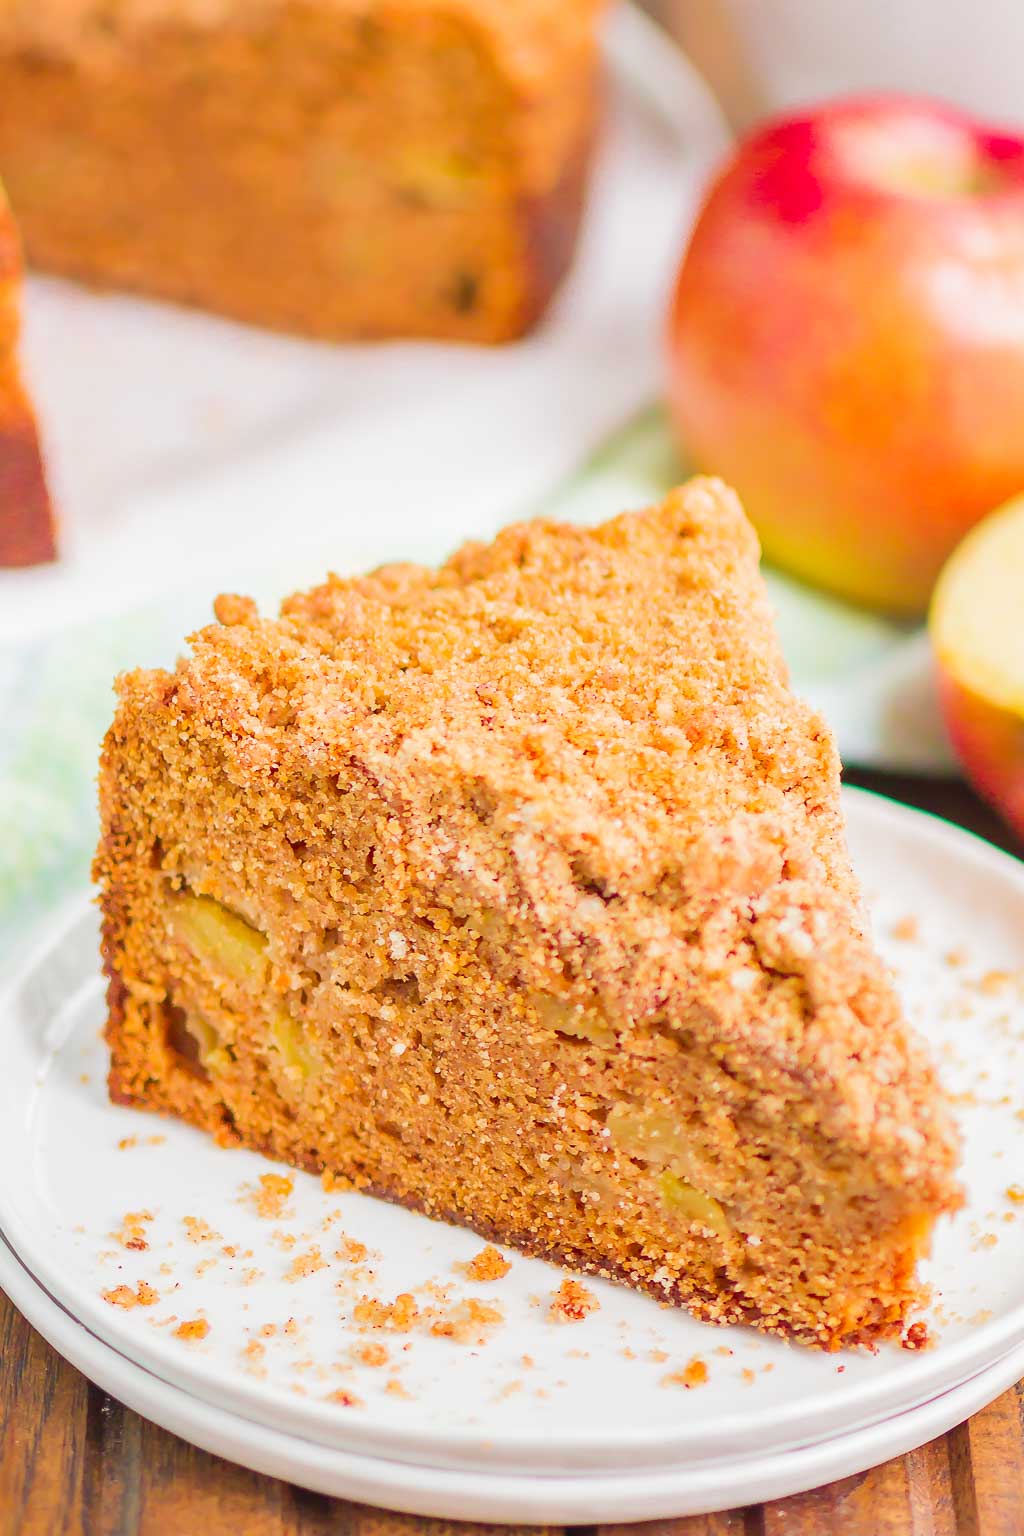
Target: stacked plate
(254, 1313)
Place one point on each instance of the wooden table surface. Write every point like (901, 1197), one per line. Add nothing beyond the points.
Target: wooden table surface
(73, 1462)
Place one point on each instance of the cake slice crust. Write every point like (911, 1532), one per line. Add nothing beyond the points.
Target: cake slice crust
(27, 533)
(516, 891)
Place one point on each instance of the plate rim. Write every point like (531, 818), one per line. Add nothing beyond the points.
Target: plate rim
(629, 1496)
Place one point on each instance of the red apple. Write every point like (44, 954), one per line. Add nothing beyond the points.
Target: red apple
(977, 630)
(847, 339)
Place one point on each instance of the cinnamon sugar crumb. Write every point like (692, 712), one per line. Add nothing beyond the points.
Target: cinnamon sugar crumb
(199, 1231)
(350, 1250)
(192, 1329)
(394, 1388)
(748, 1376)
(917, 1337)
(144, 1295)
(693, 1374)
(572, 1302)
(398, 1316)
(907, 930)
(435, 1289)
(305, 1264)
(1015, 1192)
(374, 1355)
(345, 1398)
(488, 1264)
(132, 1233)
(270, 1195)
(469, 1322)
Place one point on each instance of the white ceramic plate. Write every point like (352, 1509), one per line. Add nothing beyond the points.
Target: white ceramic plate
(455, 1495)
(536, 1395)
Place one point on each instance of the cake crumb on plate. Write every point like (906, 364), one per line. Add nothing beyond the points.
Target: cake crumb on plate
(144, 1295)
(192, 1329)
(398, 1316)
(488, 1264)
(693, 1374)
(572, 1302)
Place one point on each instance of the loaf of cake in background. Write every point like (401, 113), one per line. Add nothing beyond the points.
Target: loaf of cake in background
(339, 168)
(26, 517)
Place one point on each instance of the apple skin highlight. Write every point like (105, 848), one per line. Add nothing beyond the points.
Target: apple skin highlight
(846, 340)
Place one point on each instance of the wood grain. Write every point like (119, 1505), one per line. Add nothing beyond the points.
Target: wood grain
(73, 1462)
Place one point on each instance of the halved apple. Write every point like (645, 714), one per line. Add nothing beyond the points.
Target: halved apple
(977, 630)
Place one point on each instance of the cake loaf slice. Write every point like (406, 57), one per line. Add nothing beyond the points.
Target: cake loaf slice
(26, 519)
(516, 891)
(340, 168)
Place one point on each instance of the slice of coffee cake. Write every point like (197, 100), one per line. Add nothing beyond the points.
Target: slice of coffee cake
(517, 892)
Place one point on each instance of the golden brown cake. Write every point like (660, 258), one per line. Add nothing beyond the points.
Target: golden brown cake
(26, 518)
(342, 168)
(517, 892)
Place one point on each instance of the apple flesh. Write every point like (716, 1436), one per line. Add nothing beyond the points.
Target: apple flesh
(846, 340)
(977, 630)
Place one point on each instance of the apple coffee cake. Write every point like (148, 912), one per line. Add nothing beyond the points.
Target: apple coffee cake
(339, 168)
(516, 891)
(27, 535)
